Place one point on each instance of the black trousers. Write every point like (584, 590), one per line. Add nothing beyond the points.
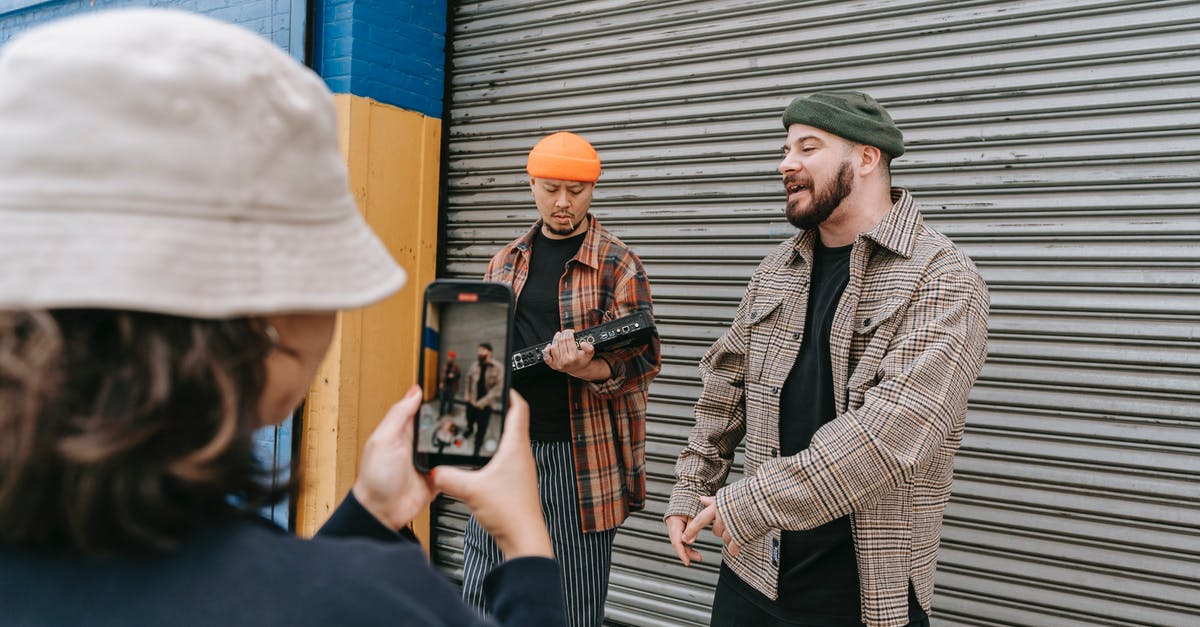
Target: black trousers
(446, 395)
(736, 604)
(477, 422)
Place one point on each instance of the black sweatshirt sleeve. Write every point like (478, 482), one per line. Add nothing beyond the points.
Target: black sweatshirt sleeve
(526, 591)
(522, 591)
(351, 519)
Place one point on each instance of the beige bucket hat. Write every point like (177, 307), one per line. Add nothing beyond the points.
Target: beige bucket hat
(162, 161)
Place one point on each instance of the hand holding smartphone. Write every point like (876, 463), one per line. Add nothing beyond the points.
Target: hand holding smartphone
(464, 372)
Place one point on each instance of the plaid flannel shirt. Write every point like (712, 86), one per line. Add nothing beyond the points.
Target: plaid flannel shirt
(908, 340)
(604, 280)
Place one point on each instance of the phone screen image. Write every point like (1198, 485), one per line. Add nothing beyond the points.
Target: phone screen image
(464, 373)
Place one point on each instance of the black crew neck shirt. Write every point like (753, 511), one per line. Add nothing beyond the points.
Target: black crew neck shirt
(481, 385)
(818, 571)
(537, 321)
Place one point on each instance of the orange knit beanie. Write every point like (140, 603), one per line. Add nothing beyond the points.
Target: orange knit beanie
(564, 156)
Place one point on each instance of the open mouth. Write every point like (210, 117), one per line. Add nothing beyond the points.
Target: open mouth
(793, 187)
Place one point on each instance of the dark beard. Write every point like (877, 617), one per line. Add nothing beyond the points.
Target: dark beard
(823, 202)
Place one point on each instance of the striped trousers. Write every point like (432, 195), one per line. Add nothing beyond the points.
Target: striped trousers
(583, 558)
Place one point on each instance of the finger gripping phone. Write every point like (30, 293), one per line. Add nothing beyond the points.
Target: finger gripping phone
(464, 372)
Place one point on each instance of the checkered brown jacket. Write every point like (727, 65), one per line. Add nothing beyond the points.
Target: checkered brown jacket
(908, 340)
(604, 280)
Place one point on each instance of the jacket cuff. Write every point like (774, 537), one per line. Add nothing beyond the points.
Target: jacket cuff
(684, 502)
(613, 384)
(742, 511)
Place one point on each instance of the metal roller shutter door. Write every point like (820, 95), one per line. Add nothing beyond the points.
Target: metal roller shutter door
(1055, 140)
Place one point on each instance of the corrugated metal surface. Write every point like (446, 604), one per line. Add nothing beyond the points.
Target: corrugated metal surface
(1057, 141)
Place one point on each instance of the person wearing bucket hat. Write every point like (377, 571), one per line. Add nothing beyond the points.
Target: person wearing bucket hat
(176, 238)
(846, 370)
(588, 414)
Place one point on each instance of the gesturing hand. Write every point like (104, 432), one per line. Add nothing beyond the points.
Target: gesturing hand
(388, 484)
(685, 552)
(710, 515)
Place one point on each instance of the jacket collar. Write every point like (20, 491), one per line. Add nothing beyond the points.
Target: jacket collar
(897, 231)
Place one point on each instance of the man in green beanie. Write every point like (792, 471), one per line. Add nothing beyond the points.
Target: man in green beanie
(846, 372)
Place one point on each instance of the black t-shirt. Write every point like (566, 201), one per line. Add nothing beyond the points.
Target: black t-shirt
(481, 388)
(818, 573)
(537, 321)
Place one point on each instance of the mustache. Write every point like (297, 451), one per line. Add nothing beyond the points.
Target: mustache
(797, 179)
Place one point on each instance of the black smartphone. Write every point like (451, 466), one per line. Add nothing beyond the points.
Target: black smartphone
(464, 372)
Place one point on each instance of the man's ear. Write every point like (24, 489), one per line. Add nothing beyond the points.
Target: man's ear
(870, 159)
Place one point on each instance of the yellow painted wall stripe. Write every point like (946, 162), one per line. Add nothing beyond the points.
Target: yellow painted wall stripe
(394, 158)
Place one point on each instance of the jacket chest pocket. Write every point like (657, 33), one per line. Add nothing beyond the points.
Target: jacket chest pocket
(875, 325)
(761, 336)
(588, 307)
(505, 274)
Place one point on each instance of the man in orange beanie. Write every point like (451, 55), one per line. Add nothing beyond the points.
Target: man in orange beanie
(588, 414)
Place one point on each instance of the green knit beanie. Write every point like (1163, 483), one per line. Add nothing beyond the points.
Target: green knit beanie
(852, 115)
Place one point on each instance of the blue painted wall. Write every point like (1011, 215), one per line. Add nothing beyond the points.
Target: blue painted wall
(273, 448)
(281, 21)
(392, 51)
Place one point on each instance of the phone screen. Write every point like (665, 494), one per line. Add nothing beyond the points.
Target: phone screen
(464, 372)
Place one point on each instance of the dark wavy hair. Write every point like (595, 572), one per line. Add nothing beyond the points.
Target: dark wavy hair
(125, 431)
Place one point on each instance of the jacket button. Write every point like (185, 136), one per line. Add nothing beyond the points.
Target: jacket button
(774, 390)
(866, 322)
(796, 336)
